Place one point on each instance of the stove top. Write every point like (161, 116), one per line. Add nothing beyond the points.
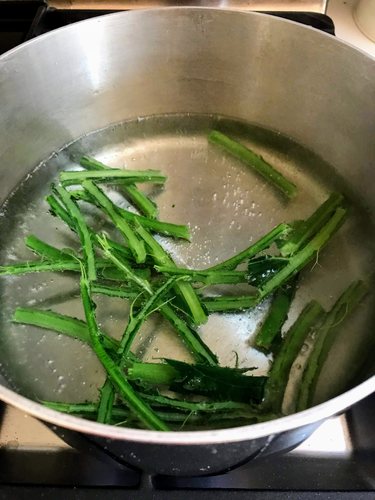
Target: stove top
(337, 461)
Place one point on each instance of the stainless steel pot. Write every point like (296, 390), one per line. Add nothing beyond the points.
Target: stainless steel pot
(256, 68)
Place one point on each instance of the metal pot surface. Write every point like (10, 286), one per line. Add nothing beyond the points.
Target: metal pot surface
(152, 83)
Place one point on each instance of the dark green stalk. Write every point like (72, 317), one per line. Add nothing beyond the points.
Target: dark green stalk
(295, 264)
(254, 161)
(140, 200)
(157, 226)
(59, 323)
(40, 266)
(187, 292)
(206, 277)
(123, 265)
(115, 374)
(260, 245)
(135, 245)
(114, 274)
(81, 228)
(326, 335)
(105, 407)
(111, 291)
(290, 348)
(69, 178)
(200, 418)
(45, 250)
(308, 228)
(230, 303)
(270, 331)
(304, 256)
(153, 373)
(204, 406)
(132, 328)
(189, 336)
(217, 382)
(61, 213)
(135, 322)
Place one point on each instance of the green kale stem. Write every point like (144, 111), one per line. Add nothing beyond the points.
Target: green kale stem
(136, 246)
(135, 322)
(105, 407)
(40, 266)
(114, 372)
(132, 328)
(111, 291)
(68, 178)
(226, 303)
(198, 417)
(47, 251)
(186, 291)
(60, 323)
(308, 228)
(254, 161)
(140, 200)
(218, 382)
(260, 245)
(291, 346)
(81, 228)
(306, 255)
(58, 211)
(295, 264)
(325, 336)
(195, 344)
(206, 277)
(152, 373)
(204, 406)
(270, 331)
(157, 226)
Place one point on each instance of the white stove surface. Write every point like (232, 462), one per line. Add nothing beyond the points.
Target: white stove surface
(341, 12)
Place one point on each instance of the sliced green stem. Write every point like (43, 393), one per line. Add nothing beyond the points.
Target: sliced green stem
(139, 199)
(105, 407)
(325, 336)
(60, 323)
(304, 256)
(45, 250)
(187, 292)
(226, 303)
(308, 228)
(254, 161)
(81, 228)
(295, 264)
(62, 214)
(69, 178)
(135, 322)
(157, 226)
(290, 348)
(40, 266)
(270, 331)
(112, 291)
(115, 374)
(206, 277)
(135, 245)
(260, 245)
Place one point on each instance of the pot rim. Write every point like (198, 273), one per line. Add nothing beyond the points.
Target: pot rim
(247, 432)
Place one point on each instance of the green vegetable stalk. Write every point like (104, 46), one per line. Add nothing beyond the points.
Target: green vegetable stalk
(140, 200)
(254, 161)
